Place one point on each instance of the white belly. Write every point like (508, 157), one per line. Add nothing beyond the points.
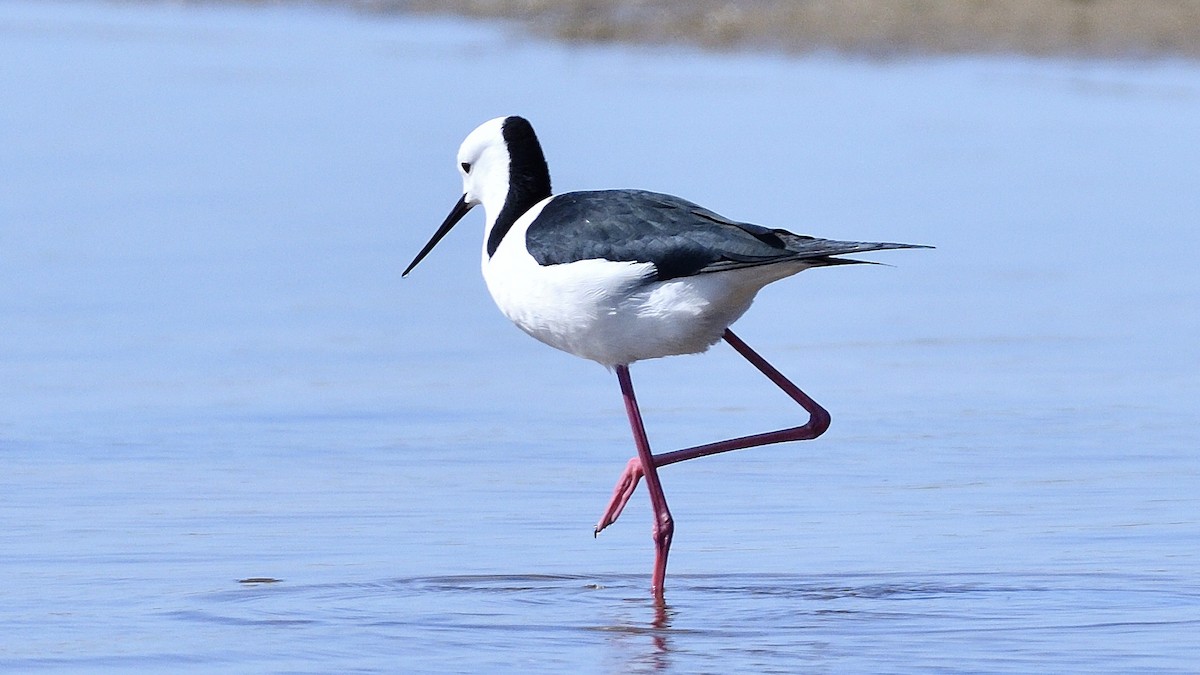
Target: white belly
(616, 313)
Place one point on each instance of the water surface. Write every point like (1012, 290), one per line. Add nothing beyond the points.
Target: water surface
(211, 372)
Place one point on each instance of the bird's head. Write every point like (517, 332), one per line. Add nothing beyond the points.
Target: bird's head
(483, 163)
(502, 167)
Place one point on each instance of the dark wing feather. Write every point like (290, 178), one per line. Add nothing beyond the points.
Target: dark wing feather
(679, 237)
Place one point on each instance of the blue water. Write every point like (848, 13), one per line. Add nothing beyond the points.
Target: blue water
(232, 439)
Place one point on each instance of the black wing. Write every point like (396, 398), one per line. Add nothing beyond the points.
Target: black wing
(679, 237)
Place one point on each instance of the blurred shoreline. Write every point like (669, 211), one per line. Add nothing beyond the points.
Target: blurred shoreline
(1125, 29)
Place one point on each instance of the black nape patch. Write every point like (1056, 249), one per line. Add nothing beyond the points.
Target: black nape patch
(528, 177)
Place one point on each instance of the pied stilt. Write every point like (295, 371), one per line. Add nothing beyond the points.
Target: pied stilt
(618, 276)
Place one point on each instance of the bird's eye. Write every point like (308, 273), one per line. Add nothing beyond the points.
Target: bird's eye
(466, 166)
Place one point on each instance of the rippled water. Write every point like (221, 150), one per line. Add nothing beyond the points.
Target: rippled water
(758, 622)
(233, 439)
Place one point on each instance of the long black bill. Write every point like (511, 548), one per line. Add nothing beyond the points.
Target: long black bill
(460, 210)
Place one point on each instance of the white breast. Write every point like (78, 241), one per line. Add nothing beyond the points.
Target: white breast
(615, 312)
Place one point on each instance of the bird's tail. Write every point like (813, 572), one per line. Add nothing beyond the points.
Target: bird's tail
(822, 252)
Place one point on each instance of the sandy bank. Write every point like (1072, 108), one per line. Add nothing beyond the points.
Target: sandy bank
(1090, 28)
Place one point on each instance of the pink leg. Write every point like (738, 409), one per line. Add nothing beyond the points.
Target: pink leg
(621, 494)
(818, 422)
(664, 525)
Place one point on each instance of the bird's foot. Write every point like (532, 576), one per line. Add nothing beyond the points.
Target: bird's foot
(621, 494)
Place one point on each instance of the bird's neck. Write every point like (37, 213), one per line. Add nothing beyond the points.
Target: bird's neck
(525, 189)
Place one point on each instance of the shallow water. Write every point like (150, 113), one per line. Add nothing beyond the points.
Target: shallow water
(212, 373)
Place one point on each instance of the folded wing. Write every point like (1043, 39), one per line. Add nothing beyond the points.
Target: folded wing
(680, 238)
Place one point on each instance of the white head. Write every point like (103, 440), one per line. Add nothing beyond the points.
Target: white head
(503, 168)
(483, 162)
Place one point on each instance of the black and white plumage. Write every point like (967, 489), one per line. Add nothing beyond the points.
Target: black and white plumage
(616, 276)
(681, 238)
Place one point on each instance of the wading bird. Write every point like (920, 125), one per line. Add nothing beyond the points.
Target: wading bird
(618, 276)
